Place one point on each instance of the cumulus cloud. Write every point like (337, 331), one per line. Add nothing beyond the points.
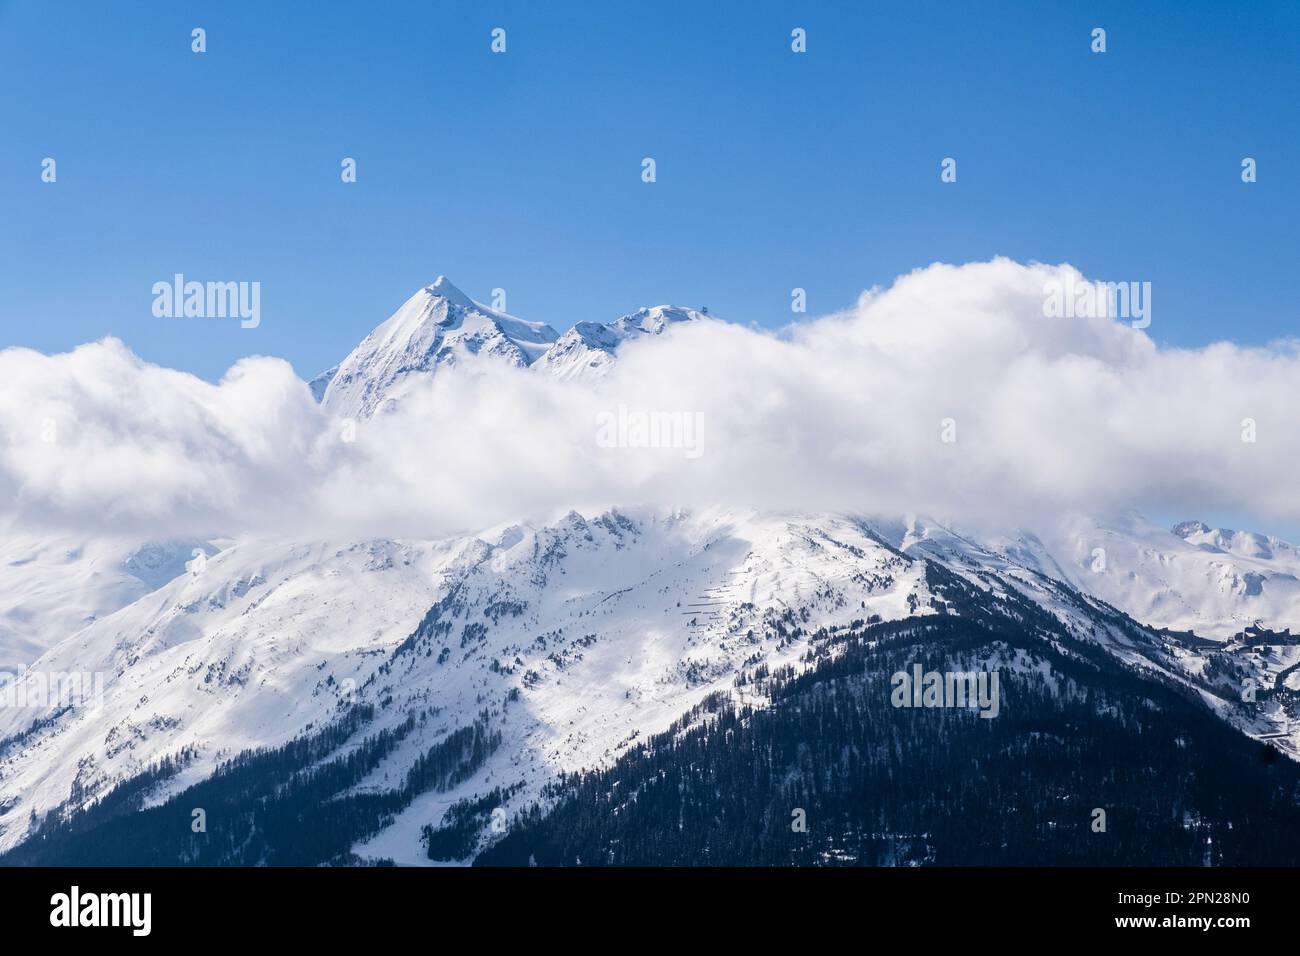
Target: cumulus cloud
(846, 412)
(99, 439)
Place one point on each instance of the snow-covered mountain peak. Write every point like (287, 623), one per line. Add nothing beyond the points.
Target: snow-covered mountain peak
(655, 319)
(438, 326)
(1246, 544)
(594, 335)
(443, 288)
(587, 350)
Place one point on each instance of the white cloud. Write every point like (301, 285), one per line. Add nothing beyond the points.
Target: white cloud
(837, 413)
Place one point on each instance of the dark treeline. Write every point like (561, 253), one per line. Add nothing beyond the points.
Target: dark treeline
(285, 806)
(462, 826)
(874, 784)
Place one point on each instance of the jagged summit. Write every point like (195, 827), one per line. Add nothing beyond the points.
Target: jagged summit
(441, 326)
(442, 286)
(1250, 544)
(587, 350)
(437, 326)
(655, 319)
(595, 335)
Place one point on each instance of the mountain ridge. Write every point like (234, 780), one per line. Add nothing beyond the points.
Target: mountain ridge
(430, 682)
(441, 326)
(577, 638)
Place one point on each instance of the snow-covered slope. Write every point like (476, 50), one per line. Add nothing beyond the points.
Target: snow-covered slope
(438, 326)
(52, 586)
(575, 638)
(1246, 544)
(585, 351)
(585, 634)
(1213, 582)
(247, 652)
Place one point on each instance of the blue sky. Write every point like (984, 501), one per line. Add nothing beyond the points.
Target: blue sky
(522, 170)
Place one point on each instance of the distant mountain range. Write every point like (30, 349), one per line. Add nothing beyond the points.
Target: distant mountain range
(648, 685)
